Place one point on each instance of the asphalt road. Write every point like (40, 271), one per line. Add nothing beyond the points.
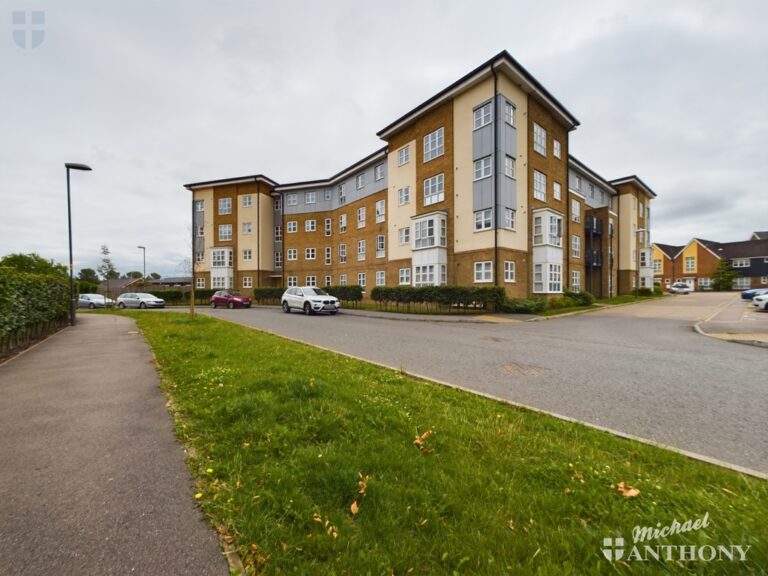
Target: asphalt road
(638, 369)
(92, 480)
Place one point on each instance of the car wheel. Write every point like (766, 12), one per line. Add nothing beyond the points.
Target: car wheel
(213, 304)
(286, 308)
(91, 305)
(121, 305)
(142, 305)
(231, 305)
(307, 308)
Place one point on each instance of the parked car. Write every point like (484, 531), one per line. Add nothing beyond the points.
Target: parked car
(761, 301)
(310, 299)
(679, 288)
(230, 299)
(94, 301)
(752, 292)
(139, 300)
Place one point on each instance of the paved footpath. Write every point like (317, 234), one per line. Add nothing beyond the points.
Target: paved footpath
(92, 479)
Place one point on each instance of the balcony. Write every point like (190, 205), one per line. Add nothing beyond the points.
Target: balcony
(594, 225)
(594, 258)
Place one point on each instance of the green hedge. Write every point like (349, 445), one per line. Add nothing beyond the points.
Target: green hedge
(267, 295)
(31, 306)
(581, 298)
(524, 305)
(486, 297)
(346, 294)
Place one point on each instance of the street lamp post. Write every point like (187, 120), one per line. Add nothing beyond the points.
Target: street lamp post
(144, 278)
(72, 166)
(637, 264)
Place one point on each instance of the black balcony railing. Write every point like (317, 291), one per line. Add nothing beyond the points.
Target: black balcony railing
(594, 225)
(594, 258)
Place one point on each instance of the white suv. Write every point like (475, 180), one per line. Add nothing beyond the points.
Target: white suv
(310, 299)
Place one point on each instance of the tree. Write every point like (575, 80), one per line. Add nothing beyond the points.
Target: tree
(723, 277)
(106, 269)
(133, 275)
(155, 276)
(33, 263)
(88, 275)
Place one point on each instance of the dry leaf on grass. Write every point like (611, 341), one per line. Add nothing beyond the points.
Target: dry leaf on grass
(627, 491)
(354, 508)
(420, 442)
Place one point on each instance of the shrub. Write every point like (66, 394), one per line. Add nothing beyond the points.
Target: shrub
(486, 297)
(268, 295)
(346, 294)
(560, 302)
(581, 298)
(644, 292)
(657, 291)
(524, 305)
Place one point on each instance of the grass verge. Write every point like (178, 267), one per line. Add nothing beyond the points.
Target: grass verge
(313, 463)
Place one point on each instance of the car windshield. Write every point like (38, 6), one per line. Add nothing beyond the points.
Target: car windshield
(145, 295)
(233, 293)
(316, 292)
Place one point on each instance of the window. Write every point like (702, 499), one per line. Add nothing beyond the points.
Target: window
(311, 281)
(342, 253)
(642, 210)
(509, 271)
(509, 219)
(509, 166)
(509, 113)
(602, 197)
(342, 223)
(556, 148)
(763, 279)
(225, 206)
(361, 217)
(361, 279)
(380, 278)
(378, 172)
(310, 225)
(575, 211)
(741, 283)
(484, 271)
(309, 253)
(247, 254)
(424, 234)
(539, 186)
(225, 231)
(424, 275)
(555, 225)
(342, 194)
(278, 233)
(576, 281)
(538, 236)
(555, 277)
(690, 264)
(343, 280)
(200, 231)
(434, 145)
(291, 199)
(404, 195)
(277, 204)
(634, 256)
(292, 226)
(555, 230)
(247, 201)
(405, 235)
(221, 258)
(483, 115)
(199, 257)
(643, 258)
(380, 211)
(360, 180)
(403, 155)
(741, 263)
(199, 282)
(380, 246)
(327, 195)
(361, 249)
(705, 283)
(482, 168)
(556, 191)
(328, 255)
(434, 189)
(199, 205)
(247, 228)
(657, 266)
(404, 277)
(247, 281)
(293, 254)
(310, 197)
(577, 184)
(328, 226)
(483, 219)
(278, 259)
(538, 278)
(218, 282)
(576, 246)
(539, 139)
(292, 281)
(328, 280)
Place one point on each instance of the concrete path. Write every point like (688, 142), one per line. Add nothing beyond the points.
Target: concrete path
(738, 321)
(92, 479)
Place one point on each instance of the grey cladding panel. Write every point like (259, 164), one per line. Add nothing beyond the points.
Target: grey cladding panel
(482, 194)
(482, 142)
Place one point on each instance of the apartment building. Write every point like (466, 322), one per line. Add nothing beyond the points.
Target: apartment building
(475, 186)
(695, 262)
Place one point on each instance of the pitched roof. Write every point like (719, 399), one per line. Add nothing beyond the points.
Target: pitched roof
(235, 180)
(633, 179)
(744, 249)
(759, 236)
(669, 250)
(578, 165)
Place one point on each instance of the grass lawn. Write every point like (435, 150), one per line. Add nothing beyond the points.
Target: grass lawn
(625, 299)
(313, 463)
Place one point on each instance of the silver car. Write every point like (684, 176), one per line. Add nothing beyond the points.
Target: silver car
(94, 301)
(309, 299)
(139, 300)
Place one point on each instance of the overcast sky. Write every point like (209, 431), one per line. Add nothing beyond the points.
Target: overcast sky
(154, 95)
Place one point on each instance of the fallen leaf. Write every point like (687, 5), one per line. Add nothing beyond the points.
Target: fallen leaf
(568, 490)
(627, 490)
(354, 508)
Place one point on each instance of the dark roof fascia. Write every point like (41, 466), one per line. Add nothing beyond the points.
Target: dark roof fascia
(236, 180)
(579, 165)
(379, 154)
(636, 180)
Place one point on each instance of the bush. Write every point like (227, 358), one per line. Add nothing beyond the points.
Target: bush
(644, 292)
(346, 294)
(486, 297)
(267, 295)
(524, 305)
(657, 291)
(561, 302)
(581, 298)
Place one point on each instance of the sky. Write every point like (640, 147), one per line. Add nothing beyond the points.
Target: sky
(153, 95)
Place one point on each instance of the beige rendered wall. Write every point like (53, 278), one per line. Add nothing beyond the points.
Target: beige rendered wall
(627, 237)
(399, 216)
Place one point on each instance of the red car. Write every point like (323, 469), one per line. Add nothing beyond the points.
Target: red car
(230, 299)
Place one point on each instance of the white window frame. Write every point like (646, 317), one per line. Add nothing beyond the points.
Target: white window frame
(201, 232)
(247, 281)
(509, 219)
(555, 278)
(328, 281)
(509, 113)
(247, 254)
(277, 204)
(342, 194)
(342, 253)
(483, 115)
(310, 225)
(200, 282)
(434, 144)
(247, 228)
(199, 205)
(740, 263)
(361, 217)
(576, 280)
(404, 235)
(575, 210)
(381, 249)
(328, 255)
(539, 139)
(381, 278)
(327, 195)
(247, 201)
(328, 226)
(360, 181)
(361, 279)
(378, 172)
(342, 280)
(690, 264)
(293, 281)
(225, 232)
(404, 195)
(278, 233)
(225, 206)
(292, 254)
(310, 197)
(483, 272)
(361, 249)
(404, 276)
(576, 246)
(199, 257)
(538, 230)
(342, 223)
(292, 226)
(509, 271)
(381, 211)
(556, 148)
(483, 220)
(404, 155)
(310, 280)
(509, 166)
(557, 191)
(310, 253)
(434, 189)
(278, 259)
(539, 186)
(292, 199)
(482, 168)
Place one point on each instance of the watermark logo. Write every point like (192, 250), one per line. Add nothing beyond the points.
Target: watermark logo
(28, 28)
(647, 545)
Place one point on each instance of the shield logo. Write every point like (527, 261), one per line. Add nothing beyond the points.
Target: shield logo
(613, 549)
(28, 28)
